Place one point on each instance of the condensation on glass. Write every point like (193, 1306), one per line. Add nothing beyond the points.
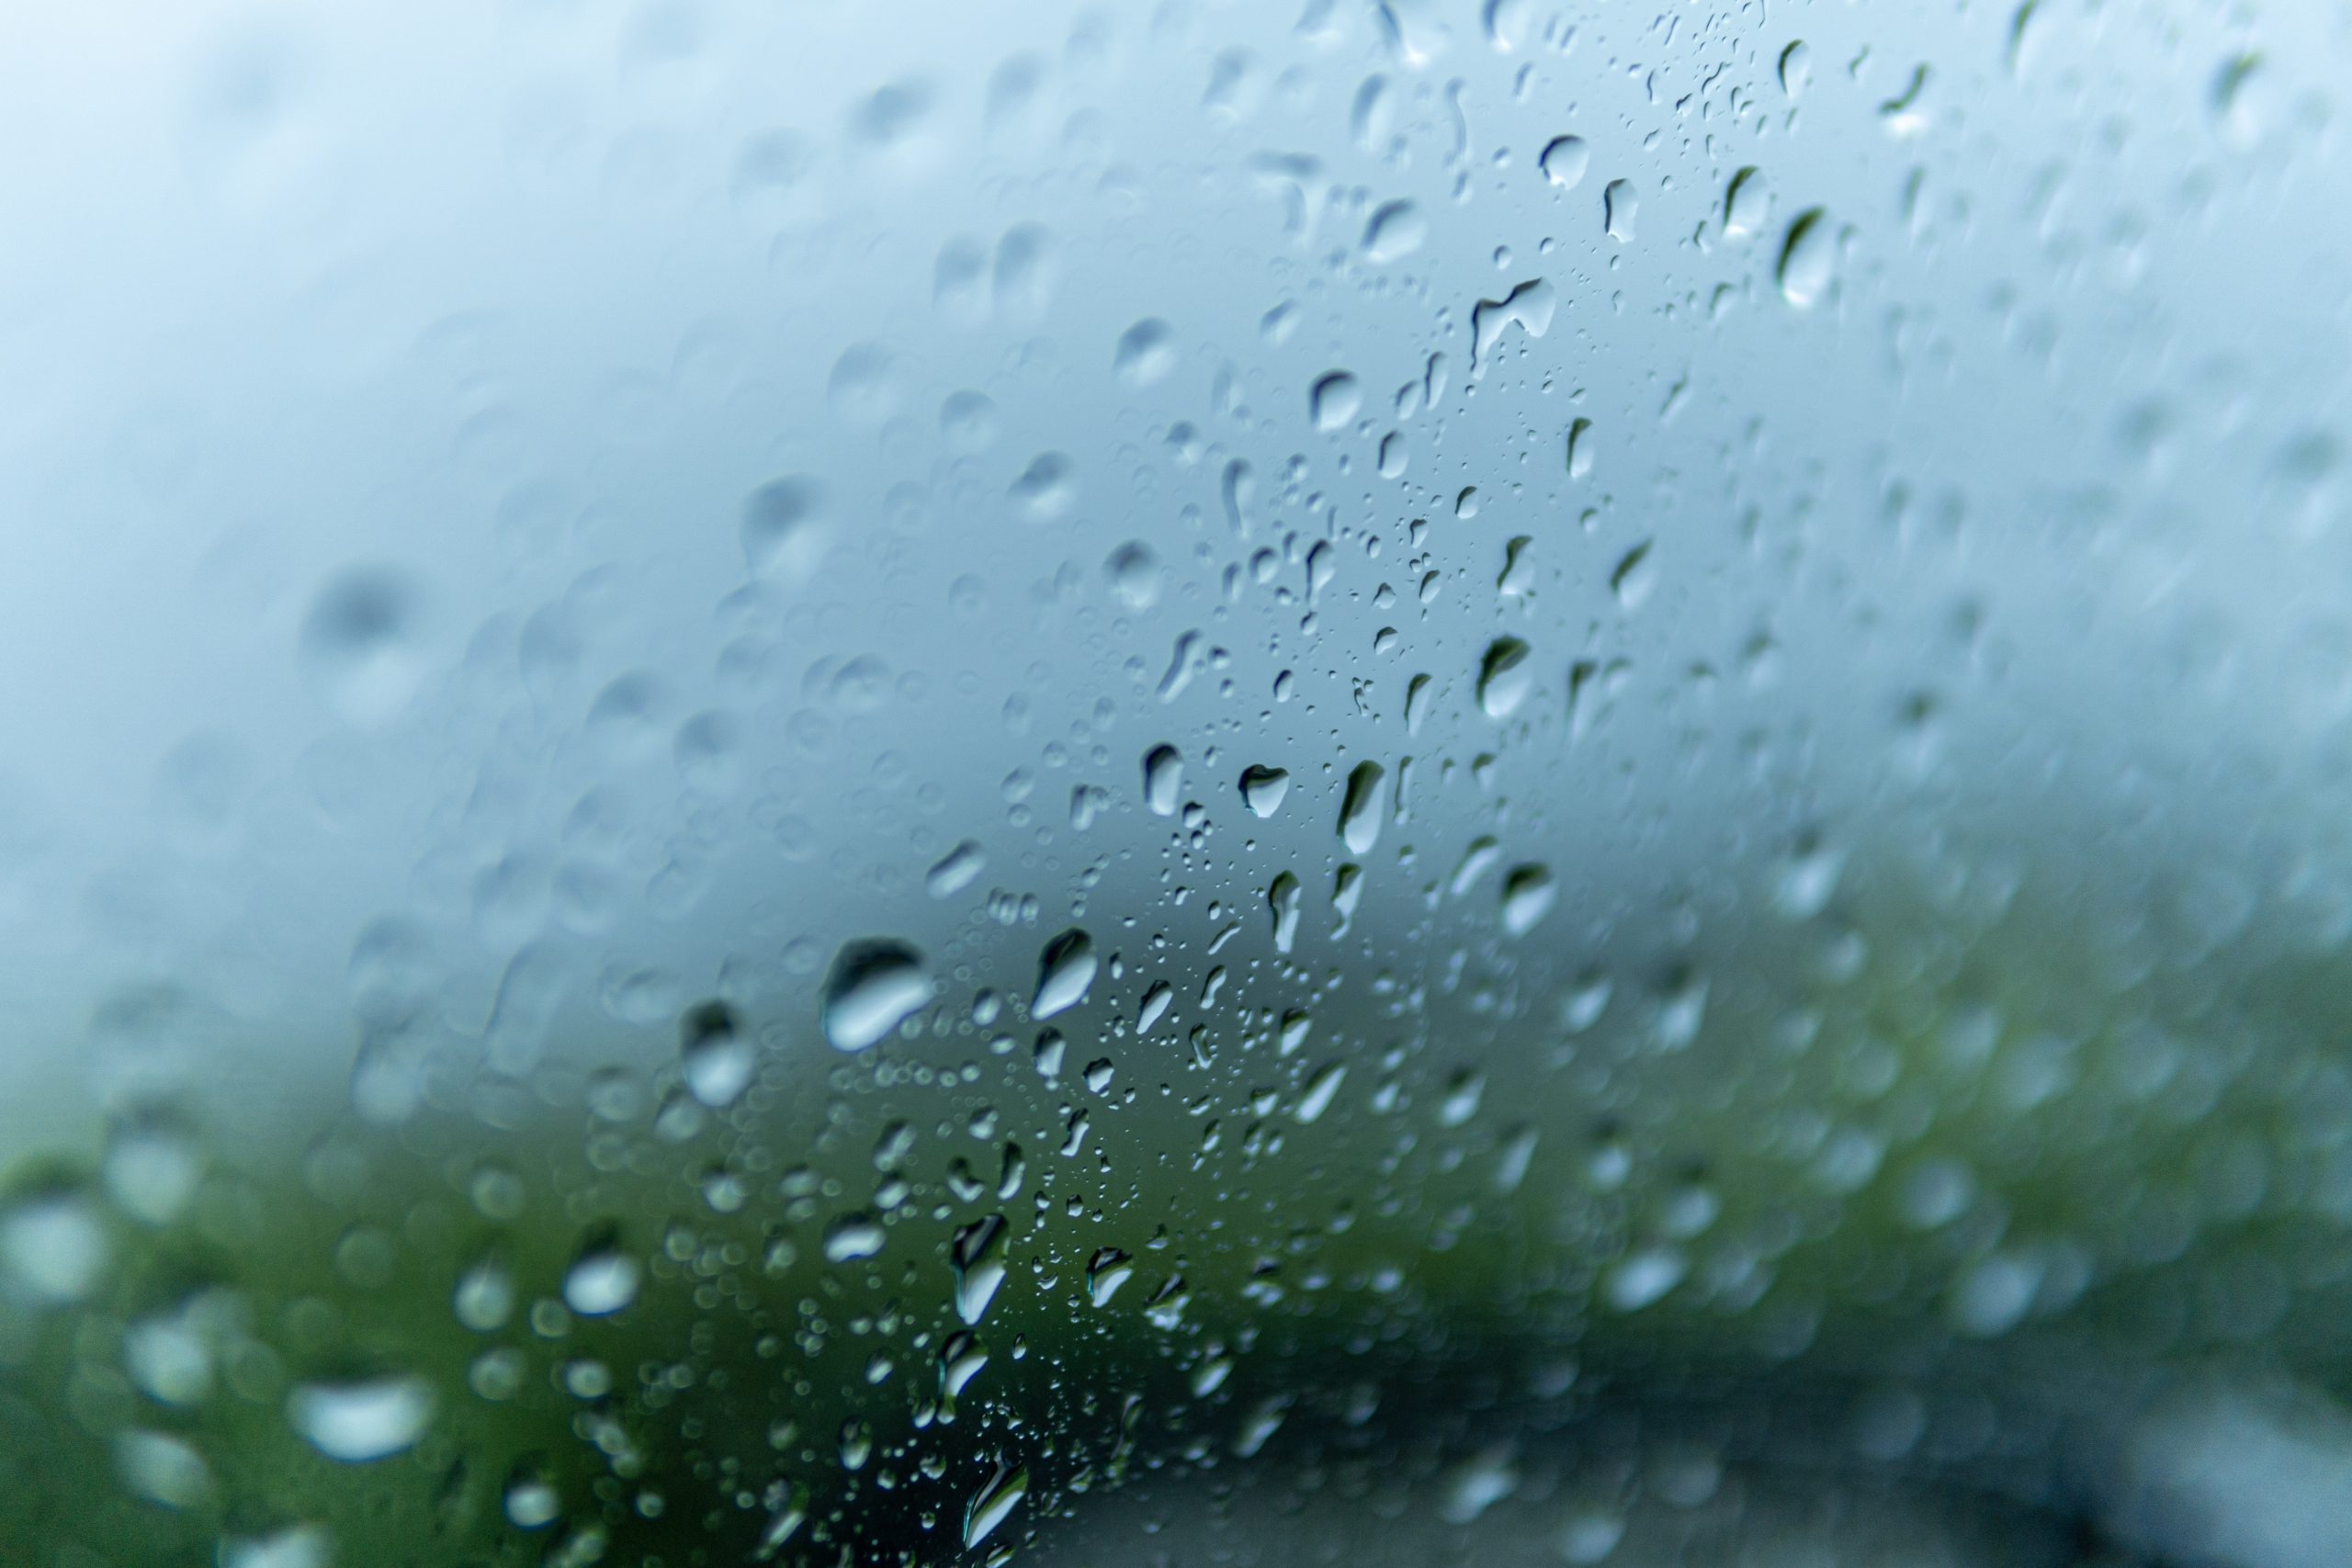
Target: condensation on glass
(1400, 782)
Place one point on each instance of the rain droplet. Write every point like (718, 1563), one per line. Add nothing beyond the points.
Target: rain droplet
(1528, 895)
(1747, 204)
(360, 645)
(1505, 677)
(874, 986)
(1531, 304)
(1619, 202)
(783, 529)
(1283, 898)
(1065, 970)
(1808, 257)
(1395, 231)
(1163, 780)
(1146, 354)
(1133, 572)
(1046, 488)
(1315, 1098)
(978, 1259)
(989, 1505)
(1334, 401)
(602, 1280)
(852, 1236)
(1262, 789)
(54, 1247)
(1565, 160)
(1360, 809)
(1796, 68)
(715, 1056)
(359, 1422)
(1107, 1270)
(1580, 448)
(956, 870)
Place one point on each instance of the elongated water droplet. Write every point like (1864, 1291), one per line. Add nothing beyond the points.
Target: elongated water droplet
(956, 870)
(978, 1259)
(1064, 971)
(1505, 676)
(1808, 257)
(1107, 1270)
(1528, 896)
(1620, 202)
(1395, 231)
(1747, 204)
(1315, 1098)
(1360, 807)
(715, 1054)
(989, 1505)
(1163, 780)
(1283, 898)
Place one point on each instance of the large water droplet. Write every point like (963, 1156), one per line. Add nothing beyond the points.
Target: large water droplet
(874, 987)
(359, 1422)
(361, 645)
(1146, 354)
(1395, 231)
(1505, 677)
(1808, 259)
(1065, 970)
(1747, 204)
(1163, 780)
(991, 1504)
(1360, 809)
(978, 1259)
(715, 1056)
(1620, 203)
(1262, 789)
(1565, 160)
(602, 1280)
(1334, 401)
